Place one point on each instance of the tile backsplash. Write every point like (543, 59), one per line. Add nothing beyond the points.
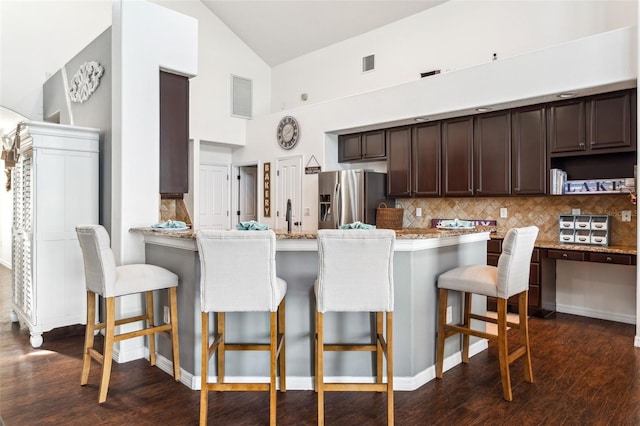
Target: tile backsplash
(524, 211)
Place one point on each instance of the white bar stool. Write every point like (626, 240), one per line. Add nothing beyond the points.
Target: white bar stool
(238, 274)
(106, 279)
(509, 278)
(355, 274)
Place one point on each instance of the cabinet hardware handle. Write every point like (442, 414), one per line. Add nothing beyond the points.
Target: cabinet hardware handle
(565, 255)
(609, 259)
(581, 145)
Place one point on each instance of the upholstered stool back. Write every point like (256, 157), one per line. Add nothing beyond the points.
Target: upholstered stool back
(238, 272)
(355, 270)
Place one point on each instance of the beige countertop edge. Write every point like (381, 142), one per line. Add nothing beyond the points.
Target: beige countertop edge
(413, 234)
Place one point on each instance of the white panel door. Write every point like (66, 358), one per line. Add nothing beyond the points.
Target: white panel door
(289, 187)
(214, 197)
(248, 195)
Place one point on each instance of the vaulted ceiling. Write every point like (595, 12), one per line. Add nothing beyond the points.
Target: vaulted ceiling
(279, 31)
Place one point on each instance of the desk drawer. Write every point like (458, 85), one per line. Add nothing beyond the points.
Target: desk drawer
(494, 246)
(618, 259)
(566, 255)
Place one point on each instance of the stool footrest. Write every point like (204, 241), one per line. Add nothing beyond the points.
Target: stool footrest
(355, 387)
(143, 332)
(350, 347)
(238, 386)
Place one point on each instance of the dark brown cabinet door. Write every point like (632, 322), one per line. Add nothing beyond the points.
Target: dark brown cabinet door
(426, 160)
(399, 162)
(457, 155)
(529, 152)
(609, 121)
(174, 133)
(567, 126)
(349, 147)
(492, 154)
(373, 145)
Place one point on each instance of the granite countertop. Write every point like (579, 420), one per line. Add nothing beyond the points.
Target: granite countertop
(413, 234)
(547, 244)
(405, 234)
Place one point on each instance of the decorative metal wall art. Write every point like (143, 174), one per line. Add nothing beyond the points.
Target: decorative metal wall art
(85, 81)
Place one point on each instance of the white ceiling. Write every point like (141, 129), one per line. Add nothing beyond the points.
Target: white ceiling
(279, 31)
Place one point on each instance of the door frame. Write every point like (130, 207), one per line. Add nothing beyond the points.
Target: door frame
(235, 191)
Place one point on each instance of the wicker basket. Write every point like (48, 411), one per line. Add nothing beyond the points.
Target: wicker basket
(388, 218)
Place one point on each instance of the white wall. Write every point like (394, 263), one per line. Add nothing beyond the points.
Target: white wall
(36, 39)
(220, 54)
(169, 41)
(454, 35)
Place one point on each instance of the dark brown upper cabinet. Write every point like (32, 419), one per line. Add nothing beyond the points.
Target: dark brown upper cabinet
(413, 161)
(366, 146)
(457, 157)
(426, 142)
(492, 154)
(399, 162)
(529, 151)
(598, 124)
(609, 121)
(174, 133)
(349, 147)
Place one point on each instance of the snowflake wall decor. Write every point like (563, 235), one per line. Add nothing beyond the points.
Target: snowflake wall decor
(85, 81)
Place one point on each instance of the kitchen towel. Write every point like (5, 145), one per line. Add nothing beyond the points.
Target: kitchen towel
(171, 224)
(357, 225)
(252, 225)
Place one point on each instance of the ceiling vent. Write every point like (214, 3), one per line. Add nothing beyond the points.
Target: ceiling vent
(240, 97)
(368, 63)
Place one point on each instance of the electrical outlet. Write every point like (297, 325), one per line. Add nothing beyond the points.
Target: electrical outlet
(626, 215)
(307, 211)
(167, 315)
(449, 314)
(418, 212)
(575, 211)
(503, 212)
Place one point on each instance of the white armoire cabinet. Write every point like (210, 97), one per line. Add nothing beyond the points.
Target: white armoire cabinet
(55, 187)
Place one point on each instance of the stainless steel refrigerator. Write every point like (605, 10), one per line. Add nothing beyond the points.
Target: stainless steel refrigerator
(347, 196)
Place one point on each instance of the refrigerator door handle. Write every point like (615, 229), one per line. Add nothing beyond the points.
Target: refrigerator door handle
(337, 206)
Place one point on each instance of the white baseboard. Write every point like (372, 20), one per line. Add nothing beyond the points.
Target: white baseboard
(5, 263)
(592, 313)
(307, 383)
(636, 342)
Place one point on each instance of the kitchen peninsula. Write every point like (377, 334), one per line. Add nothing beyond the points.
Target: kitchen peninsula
(420, 256)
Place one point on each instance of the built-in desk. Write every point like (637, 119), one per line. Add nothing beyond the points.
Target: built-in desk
(420, 256)
(542, 277)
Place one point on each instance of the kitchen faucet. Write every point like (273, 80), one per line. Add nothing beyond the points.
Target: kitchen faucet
(288, 215)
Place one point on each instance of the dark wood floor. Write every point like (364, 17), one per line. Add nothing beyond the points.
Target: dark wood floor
(587, 372)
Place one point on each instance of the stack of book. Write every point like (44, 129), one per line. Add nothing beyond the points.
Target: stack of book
(558, 179)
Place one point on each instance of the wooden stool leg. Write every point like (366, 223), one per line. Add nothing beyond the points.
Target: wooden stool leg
(110, 313)
(151, 323)
(282, 355)
(503, 349)
(467, 324)
(523, 301)
(175, 340)
(389, 368)
(320, 367)
(273, 366)
(442, 319)
(221, 346)
(379, 350)
(88, 337)
(204, 368)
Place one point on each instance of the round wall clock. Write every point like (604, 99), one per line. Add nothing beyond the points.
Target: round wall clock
(288, 132)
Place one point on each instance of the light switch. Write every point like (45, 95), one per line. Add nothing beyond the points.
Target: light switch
(418, 212)
(503, 212)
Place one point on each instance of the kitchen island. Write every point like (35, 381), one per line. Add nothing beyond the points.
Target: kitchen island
(420, 256)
